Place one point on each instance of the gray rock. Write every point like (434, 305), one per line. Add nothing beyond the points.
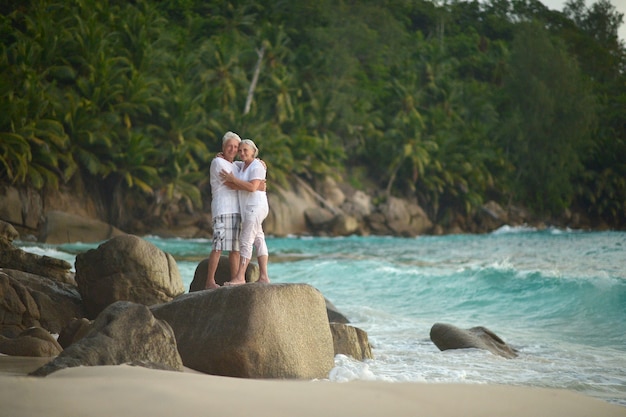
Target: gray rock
(351, 341)
(61, 227)
(75, 330)
(8, 232)
(447, 336)
(331, 192)
(21, 206)
(344, 225)
(222, 274)
(358, 205)
(28, 300)
(334, 315)
(126, 268)
(123, 333)
(12, 257)
(253, 331)
(35, 342)
(287, 207)
(404, 218)
(318, 218)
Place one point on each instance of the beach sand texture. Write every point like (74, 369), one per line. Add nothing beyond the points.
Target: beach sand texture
(104, 391)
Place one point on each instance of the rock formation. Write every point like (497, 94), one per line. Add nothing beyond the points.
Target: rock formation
(124, 332)
(31, 342)
(448, 336)
(61, 227)
(351, 341)
(28, 300)
(253, 331)
(222, 274)
(126, 268)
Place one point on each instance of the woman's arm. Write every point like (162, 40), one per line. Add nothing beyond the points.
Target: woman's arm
(236, 184)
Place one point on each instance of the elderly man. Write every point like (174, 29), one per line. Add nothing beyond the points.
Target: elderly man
(224, 209)
(226, 212)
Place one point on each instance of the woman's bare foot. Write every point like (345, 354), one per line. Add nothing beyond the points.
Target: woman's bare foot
(264, 279)
(233, 283)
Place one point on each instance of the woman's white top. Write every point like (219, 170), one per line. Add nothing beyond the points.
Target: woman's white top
(254, 171)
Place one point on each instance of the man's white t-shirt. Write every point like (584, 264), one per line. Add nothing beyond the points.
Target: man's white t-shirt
(223, 199)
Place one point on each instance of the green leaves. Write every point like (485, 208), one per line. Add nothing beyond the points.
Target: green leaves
(554, 115)
(438, 101)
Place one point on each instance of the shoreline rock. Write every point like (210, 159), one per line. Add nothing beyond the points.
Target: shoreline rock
(328, 208)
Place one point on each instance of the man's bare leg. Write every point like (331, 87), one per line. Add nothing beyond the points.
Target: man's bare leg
(263, 276)
(214, 259)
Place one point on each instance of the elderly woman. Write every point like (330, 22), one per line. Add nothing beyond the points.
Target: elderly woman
(248, 180)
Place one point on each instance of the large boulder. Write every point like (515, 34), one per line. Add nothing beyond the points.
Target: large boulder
(124, 332)
(126, 268)
(73, 331)
(358, 205)
(331, 192)
(491, 216)
(222, 274)
(287, 207)
(334, 315)
(318, 218)
(15, 258)
(61, 227)
(21, 207)
(351, 341)
(253, 331)
(344, 225)
(8, 232)
(323, 221)
(447, 336)
(28, 300)
(400, 217)
(35, 342)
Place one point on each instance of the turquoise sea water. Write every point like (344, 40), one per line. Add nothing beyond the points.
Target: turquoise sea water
(559, 297)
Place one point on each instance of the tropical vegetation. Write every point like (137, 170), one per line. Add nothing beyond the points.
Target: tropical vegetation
(452, 103)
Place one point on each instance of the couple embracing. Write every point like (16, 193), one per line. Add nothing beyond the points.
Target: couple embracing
(238, 207)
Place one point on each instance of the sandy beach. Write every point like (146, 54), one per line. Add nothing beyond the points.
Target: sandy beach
(128, 391)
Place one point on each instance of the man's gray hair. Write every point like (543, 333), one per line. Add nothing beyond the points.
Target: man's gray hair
(230, 135)
(252, 145)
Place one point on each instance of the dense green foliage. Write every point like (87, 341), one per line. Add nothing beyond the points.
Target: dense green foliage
(454, 104)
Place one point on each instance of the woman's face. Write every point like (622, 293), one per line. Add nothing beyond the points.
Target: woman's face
(246, 153)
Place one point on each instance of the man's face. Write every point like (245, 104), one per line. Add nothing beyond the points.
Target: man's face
(230, 149)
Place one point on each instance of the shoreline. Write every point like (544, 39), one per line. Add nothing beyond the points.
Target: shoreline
(101, 391)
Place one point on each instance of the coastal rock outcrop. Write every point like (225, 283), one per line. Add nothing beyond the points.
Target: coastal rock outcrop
(253, 331)
(287, 207)
(447, 336)
(15, 258)
(61, 227)
(75, 330)
(399, 217)
(8, 232)
(222, 274)
(21, 207)
(124, 332)
(334, 315)
(31, 342)
(28, 300)
(126, 268)
(351, 341)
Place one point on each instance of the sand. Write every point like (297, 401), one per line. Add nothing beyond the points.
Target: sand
(105, 391)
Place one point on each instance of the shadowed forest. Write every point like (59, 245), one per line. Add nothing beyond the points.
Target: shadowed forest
(451, 103)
